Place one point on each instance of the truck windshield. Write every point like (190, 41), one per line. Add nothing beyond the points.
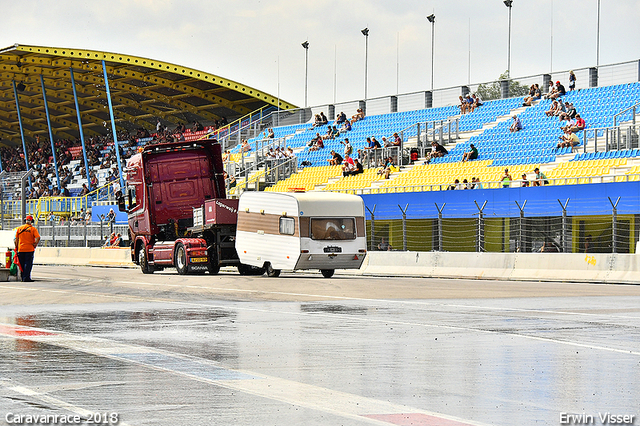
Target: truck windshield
(333, 228)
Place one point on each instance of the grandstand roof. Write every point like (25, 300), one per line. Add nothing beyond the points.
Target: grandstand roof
(142, 91)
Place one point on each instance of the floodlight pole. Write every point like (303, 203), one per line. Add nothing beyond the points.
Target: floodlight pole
(113, 124)
(84, 150)
(432, 19)
(509, 4)
(306, 70)
(53, 147)
(365, 32)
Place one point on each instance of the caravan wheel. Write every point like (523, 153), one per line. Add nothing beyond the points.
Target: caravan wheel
(327, 273)
(272, 272)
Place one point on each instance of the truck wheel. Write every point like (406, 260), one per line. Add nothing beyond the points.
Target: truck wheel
(181, 259)
(327, 273)
(213, 265)
(142, 261)
(272, 272)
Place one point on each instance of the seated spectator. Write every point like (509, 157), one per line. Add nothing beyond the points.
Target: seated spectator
(463, 105)
(346, 127)
(506, 179)
(356, 170)
(476, 183)
(329, 134)
(359, 115)
(110, 239)
(317, 121)
(534, 95)
(437, 151)
(579, 125)
(317, 145)
(387, 168)
(553, 109)
(227, 156)
(347, 166)
(117, 241)
(472, 154)
(313, 140)
(516, 124)
(85, 190)
(456, 185)
(270, 134)
(550, 90)
(245, 146)
(469, 101)
(541, 178)
(569, 112)
(568, 140)
(323, 119)
(572, 80)
(559, 91)
(477, 101)
(341, 118)
(525, 182)
(335, 159)
(466, 184)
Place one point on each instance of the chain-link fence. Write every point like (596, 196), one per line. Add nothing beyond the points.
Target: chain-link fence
(605, 231)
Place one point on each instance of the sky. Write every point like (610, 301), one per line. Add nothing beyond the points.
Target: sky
(258, 42)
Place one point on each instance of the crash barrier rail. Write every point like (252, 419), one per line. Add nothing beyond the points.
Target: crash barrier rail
(80, 234)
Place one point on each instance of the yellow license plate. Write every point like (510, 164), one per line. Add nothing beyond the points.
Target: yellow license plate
(199, 259)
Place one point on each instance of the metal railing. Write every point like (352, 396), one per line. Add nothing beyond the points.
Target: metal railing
(621, 113)
(613, 138)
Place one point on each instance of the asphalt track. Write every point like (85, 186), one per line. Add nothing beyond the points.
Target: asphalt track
(163, 349)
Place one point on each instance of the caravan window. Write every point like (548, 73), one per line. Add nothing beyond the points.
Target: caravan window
(287, 225)
(333, 228)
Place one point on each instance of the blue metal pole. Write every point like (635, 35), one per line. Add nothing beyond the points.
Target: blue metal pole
(24, 145)
(84, 151)
(53, 148)
(113, 124)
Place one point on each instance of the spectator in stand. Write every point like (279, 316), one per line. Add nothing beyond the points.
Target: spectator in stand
(348, 149)
(313, 140)
(65, 191)
(335, 159)
(541, 178)
(84, 191)
(341, 118)
(525, 182)
(347, 166)
(516, 124)
(477, 184)
(356, 170)
(470, 104)
(375, 142)
(477, 101)
(572, 80)
(569, 112)
(346, 127)
(559, 91)
(568, 140)
(323, 119)
(318, 143)
(506, 179)
(245, 146)
(463, 105)
(329, 134)
(534, 95)
(387, 168)
(317, 121)
(270, 134)
(550, 90)
(472, 154)
(437, 151)
(397, 140)
(197, 127)
(579, 125)
(359, 115)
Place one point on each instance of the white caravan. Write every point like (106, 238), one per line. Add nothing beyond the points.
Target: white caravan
(311, 230)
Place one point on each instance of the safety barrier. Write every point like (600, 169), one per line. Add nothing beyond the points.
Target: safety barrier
(81, 256)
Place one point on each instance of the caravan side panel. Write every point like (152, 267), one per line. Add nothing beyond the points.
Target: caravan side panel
(258, 237)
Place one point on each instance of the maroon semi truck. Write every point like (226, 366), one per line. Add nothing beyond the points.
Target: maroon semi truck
(179, 215)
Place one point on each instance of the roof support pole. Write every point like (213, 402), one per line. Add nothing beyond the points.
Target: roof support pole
(24, 145)
(53, 147)
(84, 150)
(113, 124)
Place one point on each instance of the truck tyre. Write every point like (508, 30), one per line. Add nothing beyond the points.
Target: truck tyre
(180, 259)
(143, 262)
(273, 273)
(327, 273)
(213, 265)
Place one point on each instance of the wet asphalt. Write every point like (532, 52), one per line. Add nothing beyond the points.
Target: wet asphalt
(120, 347)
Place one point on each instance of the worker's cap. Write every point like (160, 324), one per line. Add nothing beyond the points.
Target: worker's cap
(29, 217)
(557, 82)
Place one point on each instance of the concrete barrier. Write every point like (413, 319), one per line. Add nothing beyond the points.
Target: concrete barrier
(577, 267)
(81, 256)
